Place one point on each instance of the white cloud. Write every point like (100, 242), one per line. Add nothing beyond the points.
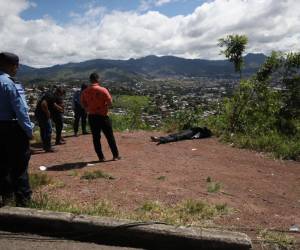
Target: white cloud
(162, 2)
(97, 33)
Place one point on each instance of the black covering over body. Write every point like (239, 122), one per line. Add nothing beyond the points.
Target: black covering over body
(192, 133)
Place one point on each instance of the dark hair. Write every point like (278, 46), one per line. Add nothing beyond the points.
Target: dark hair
(94, 77)
(7, 58)
(83, 86)
(59, 90)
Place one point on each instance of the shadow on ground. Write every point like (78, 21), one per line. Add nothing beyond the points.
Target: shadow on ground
(69, 166)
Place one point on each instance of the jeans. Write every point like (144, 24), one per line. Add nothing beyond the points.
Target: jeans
(59, 123)
(14, 159)
(45, 132)
(80, 114)
(100, 123)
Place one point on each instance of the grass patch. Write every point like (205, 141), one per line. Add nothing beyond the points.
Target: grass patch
(37, 180)
(281, 146)
(190, 212)
(73, 173)
(101, 208)
(281, 240)
(187, 213)
(97, 174)
(213, 187)
(161, 178)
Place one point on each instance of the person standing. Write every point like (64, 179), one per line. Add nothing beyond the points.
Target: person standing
(96, 100)
(57, 114)
(15, 133)
(79, 112)
(46, 108)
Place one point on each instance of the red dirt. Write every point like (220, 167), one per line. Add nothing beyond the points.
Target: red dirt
(264, 192)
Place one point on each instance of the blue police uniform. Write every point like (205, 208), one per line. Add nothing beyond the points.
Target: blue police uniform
(15, 132)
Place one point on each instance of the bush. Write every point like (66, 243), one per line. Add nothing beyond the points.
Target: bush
(261, 117)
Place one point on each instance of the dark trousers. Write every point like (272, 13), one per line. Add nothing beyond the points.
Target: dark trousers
(102, 123)
(59, 123)
(45, 132)
(14, 159)
(80, 114)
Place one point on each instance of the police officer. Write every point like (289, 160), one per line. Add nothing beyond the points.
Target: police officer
(15, 133)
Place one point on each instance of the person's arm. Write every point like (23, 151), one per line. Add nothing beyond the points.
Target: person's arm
(82, 100)
(20, 109)
(45, 109)
(108, 97)
(58, 107)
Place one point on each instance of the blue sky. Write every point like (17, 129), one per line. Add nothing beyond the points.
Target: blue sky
(60, 10)
(48, 32)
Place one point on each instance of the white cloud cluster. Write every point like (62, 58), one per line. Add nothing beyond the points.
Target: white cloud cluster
(269, 24)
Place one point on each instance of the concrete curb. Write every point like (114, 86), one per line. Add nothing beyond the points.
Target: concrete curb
(118, 232)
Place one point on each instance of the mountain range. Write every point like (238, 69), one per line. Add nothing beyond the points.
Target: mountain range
(149, 67)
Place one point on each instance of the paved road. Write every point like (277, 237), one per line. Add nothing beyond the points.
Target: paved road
(13, 241)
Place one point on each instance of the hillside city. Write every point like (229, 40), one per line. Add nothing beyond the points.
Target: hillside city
(166, 95)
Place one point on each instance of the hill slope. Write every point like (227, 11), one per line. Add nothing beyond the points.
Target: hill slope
(149, 66)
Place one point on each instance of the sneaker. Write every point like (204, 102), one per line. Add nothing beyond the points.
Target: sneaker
(50, 150)
(154, 138)
(60, 142)
(117, 158)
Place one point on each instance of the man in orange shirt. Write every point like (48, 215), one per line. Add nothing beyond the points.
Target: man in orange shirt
(96, 100)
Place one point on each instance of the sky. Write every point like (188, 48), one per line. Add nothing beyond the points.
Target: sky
(49, 32)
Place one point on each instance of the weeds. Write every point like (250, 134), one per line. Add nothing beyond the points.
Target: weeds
(189, 212)
(212, 187)
(161, 178)
(39, 179)
(281, 240)
(96, 175)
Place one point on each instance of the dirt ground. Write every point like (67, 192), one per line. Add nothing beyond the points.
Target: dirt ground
(264, 193)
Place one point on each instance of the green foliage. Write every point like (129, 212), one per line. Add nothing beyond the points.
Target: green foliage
(260, 116)
(183, 119)
(134, 106)
(234, 47)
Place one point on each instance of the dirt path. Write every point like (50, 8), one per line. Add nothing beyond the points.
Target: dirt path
(265, 193)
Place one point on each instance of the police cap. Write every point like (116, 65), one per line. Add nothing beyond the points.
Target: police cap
(8, 58)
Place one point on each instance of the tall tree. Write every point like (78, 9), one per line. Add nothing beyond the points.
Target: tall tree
(234, 45)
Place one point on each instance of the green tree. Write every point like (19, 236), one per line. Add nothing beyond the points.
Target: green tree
(234, 45)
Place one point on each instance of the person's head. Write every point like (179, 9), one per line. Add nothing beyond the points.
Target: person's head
(9, 63)
(59, 91)
(83, 86)
(94, 77)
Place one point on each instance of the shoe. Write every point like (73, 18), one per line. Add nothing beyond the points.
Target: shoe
(50, 150)
(101, 159)
(117, 158)
(154, 138)
(85, 133)
(23, 202)
(60, 143)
